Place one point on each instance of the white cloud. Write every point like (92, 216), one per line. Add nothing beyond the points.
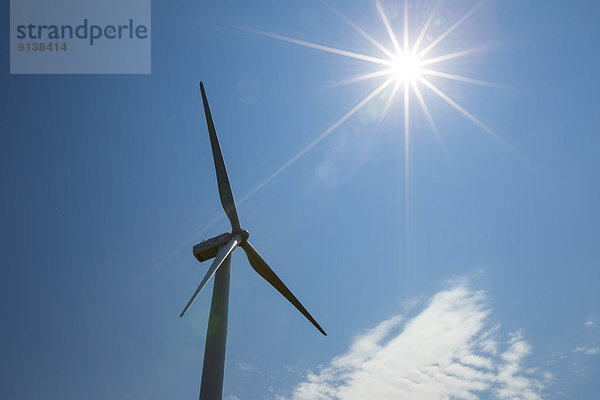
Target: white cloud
(245, 366)
(448, 350)
(589, 350)
(589, 322)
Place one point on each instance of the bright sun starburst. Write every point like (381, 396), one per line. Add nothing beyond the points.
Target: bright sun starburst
(407, 64)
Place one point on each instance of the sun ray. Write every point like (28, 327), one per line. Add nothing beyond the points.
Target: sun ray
(320, 137)
(428, 116)
(361, 78)
(316, 46)
(458, 108)
(407, 264)
(406, 130)
(388, 28)
(388, 103)
(365, 35)
(425, 27)
(425, 71)
(424, 106)
(451, 56)
(452, 28)
(406, 50)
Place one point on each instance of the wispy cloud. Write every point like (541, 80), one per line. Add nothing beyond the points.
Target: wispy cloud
(451, 349)
(588, 349)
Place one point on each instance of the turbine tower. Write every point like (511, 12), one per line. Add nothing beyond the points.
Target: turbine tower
(220, 248)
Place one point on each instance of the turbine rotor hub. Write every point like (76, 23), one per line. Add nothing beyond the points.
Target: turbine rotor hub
(243, 233)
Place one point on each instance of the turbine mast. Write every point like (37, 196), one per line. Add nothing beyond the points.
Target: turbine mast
(213, 370)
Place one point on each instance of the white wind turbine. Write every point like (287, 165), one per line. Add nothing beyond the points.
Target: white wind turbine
(220, 248)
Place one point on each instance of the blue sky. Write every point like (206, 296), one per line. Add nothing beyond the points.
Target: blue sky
(484, 284)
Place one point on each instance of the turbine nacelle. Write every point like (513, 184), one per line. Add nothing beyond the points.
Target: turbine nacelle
(209, 248)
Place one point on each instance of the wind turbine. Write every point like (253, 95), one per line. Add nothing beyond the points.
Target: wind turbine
(220, 248)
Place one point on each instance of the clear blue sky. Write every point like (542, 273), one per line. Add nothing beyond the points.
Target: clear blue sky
(108, 182)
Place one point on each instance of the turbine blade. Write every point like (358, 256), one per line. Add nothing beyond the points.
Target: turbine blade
(222, 178)
(224, 251)
(263, 269)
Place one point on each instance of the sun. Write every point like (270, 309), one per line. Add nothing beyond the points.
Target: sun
(406, 68)
(406, 64)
